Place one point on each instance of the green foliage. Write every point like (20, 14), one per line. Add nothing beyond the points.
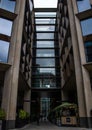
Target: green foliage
(2, 114)
(23, 114)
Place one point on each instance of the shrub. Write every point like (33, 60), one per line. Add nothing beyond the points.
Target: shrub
(23, 114)
(2, 114)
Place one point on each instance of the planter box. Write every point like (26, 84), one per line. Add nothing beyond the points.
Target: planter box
(0, 124)
(21, 122)
(71, 120)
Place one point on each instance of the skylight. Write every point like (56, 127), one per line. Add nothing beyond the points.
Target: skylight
(45, 3)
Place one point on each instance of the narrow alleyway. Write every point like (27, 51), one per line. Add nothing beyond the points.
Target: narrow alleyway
(48, 126)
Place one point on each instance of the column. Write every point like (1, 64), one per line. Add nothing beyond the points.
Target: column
(27, 97)
(9, 100)
(85, 73)
(78, 69)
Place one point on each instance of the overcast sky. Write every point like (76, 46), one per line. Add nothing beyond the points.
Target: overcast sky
(45, 3)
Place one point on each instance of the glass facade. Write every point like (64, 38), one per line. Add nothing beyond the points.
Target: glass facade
(7, 5)
(83, 5)
(45, 71)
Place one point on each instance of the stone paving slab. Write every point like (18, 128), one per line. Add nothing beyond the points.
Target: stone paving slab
(48, 126)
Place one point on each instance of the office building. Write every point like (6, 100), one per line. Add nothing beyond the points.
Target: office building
(45, 57)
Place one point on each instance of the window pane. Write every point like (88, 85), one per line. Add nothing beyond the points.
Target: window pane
(45, 28)
(47, 70)
(45, 44)
(83, 5)
(45, 53)
(45, 35)
(45, 21)
(45, 62)
(44, 70)
(5, 26)
(88, 51)
(42, 14)
(86, 26)
(7, 5)
(4, 47)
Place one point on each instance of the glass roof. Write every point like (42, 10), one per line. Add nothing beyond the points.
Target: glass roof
(45, 3)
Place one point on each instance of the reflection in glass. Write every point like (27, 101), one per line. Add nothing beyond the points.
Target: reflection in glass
(7, 5)
(45, 35)
(4, 48)
(45, 62)
(45, 53)
(83, 5)
(5, 26)
(86, 26)
(45, 44)
(45, 28)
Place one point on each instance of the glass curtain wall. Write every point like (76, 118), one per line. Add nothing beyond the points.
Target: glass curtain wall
(46, 67)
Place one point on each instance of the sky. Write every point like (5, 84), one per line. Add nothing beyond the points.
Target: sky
(45, 3)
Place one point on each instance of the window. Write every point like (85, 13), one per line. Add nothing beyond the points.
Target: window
(45, 21)
(44, 14)
(5, 26)
(86, 26)
(4, 48)
(46, 62)
(45, 44)
(83, 5)
(45, 53)
(88, 51)
(45, 35)
(7, 5)
(45, 28)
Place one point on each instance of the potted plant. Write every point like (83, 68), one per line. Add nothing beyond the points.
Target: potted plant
(23, 118)
(2, 118)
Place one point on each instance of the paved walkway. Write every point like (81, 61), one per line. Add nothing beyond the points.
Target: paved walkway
(48, 126)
